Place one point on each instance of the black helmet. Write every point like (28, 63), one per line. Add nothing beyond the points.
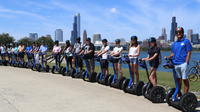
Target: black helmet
(88, 39)
(180, 29)
(104, 40)
(134, 38)
(78, 38)
(67, 41)
(152, 39)
(56, 42)
(117, 41)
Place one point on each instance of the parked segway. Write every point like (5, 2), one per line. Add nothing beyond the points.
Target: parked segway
(113, 80)
(87, 76)
(128, 85)
(187, 102)
(101, 78)
(156, 94)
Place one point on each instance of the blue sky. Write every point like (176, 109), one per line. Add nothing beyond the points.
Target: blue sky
(111, 18)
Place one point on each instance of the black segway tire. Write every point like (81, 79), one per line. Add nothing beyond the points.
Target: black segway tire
(110, 79)
(121, 80)
(47, 68)
(138, 86)
(53, 70)
(188, 102)
(169, 94)
(125, 85)
(157, 94)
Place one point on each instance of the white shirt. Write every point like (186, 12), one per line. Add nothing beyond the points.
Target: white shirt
(77, 47)
(133, 51)
(105, 55)
(56, 49)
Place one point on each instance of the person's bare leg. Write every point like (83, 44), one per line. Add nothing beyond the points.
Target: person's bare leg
(120, 70)
(180, 86)
(186, 86)
(152, 77)
(133, 72)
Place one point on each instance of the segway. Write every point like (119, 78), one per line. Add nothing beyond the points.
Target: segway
(57, 69)
(187, 102)
(76, 73)
(156, 94)
(65, 70)
(42, 67)
(128, 85)
(101, 78)
(86, 76)
(113, 80)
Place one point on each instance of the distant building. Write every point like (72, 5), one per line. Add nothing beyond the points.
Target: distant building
(164, 34)
(59, 35)
(173, 29)
(96, 38)
(84, 36)
(33, 36)
(195, 39)
(48, 35)
(75, 33)
(189, 34)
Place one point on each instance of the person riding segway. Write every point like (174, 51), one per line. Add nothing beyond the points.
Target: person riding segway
(115, 58)
(151, 90)
(131, 85)
(179, 59)
(88, 57)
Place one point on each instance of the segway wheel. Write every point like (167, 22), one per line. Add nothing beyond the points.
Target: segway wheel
(72, 72)
(144, 90)
(106, 79)
(39, 68)
(60, 70)
(92, 77)
(157, 94)
(169, 96)
(125, 85)
(47, 68)
(63, 71)
(121, 80)
(110, 79)
(83, 75)
(139, 86)
(53, 70)
(98, 77)
(188, 102)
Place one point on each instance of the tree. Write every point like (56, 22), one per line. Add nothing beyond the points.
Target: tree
(6, 39)
(47, 40)
(26, 41)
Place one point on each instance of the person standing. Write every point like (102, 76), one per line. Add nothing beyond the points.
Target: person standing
(154, 60)
(134, 53)
(180, 54)
(77, 49)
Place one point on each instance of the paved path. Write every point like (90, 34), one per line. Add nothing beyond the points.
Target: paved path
(23, 90)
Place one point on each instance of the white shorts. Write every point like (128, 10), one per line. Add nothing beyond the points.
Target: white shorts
(181, 71)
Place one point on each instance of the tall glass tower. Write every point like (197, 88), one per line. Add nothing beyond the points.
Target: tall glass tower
(173, 29)
(75, 33)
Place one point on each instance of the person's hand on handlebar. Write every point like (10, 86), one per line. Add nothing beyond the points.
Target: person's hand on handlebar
(145, 59)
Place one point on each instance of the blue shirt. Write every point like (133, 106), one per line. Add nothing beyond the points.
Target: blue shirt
(28, 49)
(180, 49)
(43, 49)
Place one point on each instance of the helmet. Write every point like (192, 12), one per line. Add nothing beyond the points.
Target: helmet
(134, 38)
(152, 39)
(117, 41)
(104, 40)
(88, 39)
(180, 29)
(67, 41)
(78, 38)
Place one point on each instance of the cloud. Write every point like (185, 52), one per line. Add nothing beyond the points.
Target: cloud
(113, 10)
(20, 12)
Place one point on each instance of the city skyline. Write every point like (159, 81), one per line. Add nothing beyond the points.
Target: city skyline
(112, 20)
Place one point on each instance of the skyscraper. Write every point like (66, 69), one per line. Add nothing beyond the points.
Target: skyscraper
(75, 33)
(173, 29)
(96, 37)
(33, 36)
(189, 34)
(59, 35)
(84, 36)
(164, 34)
(195, 38)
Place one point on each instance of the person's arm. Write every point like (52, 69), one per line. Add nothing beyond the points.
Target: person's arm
(170, 56)
(118, 53)
(146, 59)
(104, 51)
(189, 51)
(188, 57)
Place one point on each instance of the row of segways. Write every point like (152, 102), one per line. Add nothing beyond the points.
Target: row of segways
(156, 94)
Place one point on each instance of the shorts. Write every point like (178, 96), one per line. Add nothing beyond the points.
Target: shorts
(3, 54)
(21, 55)
(104, 64)
(30, 56)
(134, 60)
(153, 64)
(181, 71)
